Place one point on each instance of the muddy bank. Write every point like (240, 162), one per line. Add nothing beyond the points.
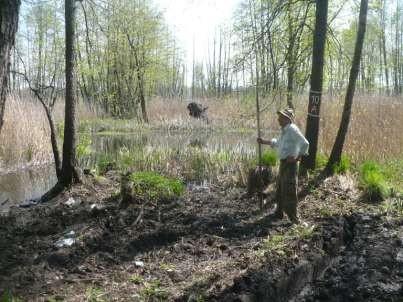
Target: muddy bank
(211, 245)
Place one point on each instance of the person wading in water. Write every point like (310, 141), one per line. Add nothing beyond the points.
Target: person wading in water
(291, 146)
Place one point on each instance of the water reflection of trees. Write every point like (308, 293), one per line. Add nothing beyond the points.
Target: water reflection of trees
(26, 184)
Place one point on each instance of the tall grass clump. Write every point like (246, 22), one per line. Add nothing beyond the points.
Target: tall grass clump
(154, 186)
(373, 181)
(269, 158)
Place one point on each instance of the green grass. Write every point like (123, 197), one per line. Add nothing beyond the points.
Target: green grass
(188, 163)
(393, 172)
(280, 243)
(321, 161)
(269, 158)
(373, 181)
(8, 297)
(136, 279)
(343, 166)
(393, 207)
(152, 291)
(94, 294)
(153, 186)
(83, 146)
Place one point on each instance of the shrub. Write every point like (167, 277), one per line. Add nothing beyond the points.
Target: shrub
(373, 181)
(153, 186)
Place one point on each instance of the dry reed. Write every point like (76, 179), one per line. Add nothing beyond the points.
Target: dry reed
(24, 139)
(25, 136)
(374, 130)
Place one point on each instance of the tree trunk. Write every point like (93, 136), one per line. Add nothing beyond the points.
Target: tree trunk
(53, 140)
(315, 94)
(383, 45)
(69, 173)
(9, 10)
(335, 156)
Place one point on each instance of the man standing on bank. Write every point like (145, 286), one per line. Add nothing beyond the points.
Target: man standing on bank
(290, 147)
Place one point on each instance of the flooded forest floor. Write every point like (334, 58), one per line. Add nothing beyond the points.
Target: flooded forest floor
(213, 244)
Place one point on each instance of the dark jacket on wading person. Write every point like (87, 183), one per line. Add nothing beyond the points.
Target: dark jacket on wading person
(291, 146)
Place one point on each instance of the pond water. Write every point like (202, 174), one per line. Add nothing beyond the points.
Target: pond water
(28, 184)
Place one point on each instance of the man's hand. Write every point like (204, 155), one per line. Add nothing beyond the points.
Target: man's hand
(259, 140)
(262, 141)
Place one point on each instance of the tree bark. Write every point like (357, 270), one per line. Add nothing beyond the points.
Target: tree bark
(53, 140)
(69, 173)
(335, 156)
(9, 11)
(315, 94)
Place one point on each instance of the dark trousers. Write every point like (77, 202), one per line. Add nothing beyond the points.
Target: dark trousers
(286, 193)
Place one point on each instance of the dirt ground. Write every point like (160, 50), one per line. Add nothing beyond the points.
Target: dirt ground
(213, 244)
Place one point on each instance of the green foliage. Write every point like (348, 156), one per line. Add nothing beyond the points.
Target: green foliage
(136, 278)
(84, 146)
(94, 294)
(343, 166)
(153, 186)
(373, 181)
(125, 159)
(154, 292)
(321, 161)
(275, 243)
(269, 158)
(8, 297)
(104, 162)
(279, 243)
(393, 172)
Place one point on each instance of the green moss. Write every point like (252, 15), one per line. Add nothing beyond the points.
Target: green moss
(153, 186)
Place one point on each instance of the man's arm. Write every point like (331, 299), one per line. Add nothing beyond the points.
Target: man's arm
(272, 143)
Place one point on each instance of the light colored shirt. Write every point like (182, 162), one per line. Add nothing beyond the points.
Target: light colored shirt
(291, 142)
